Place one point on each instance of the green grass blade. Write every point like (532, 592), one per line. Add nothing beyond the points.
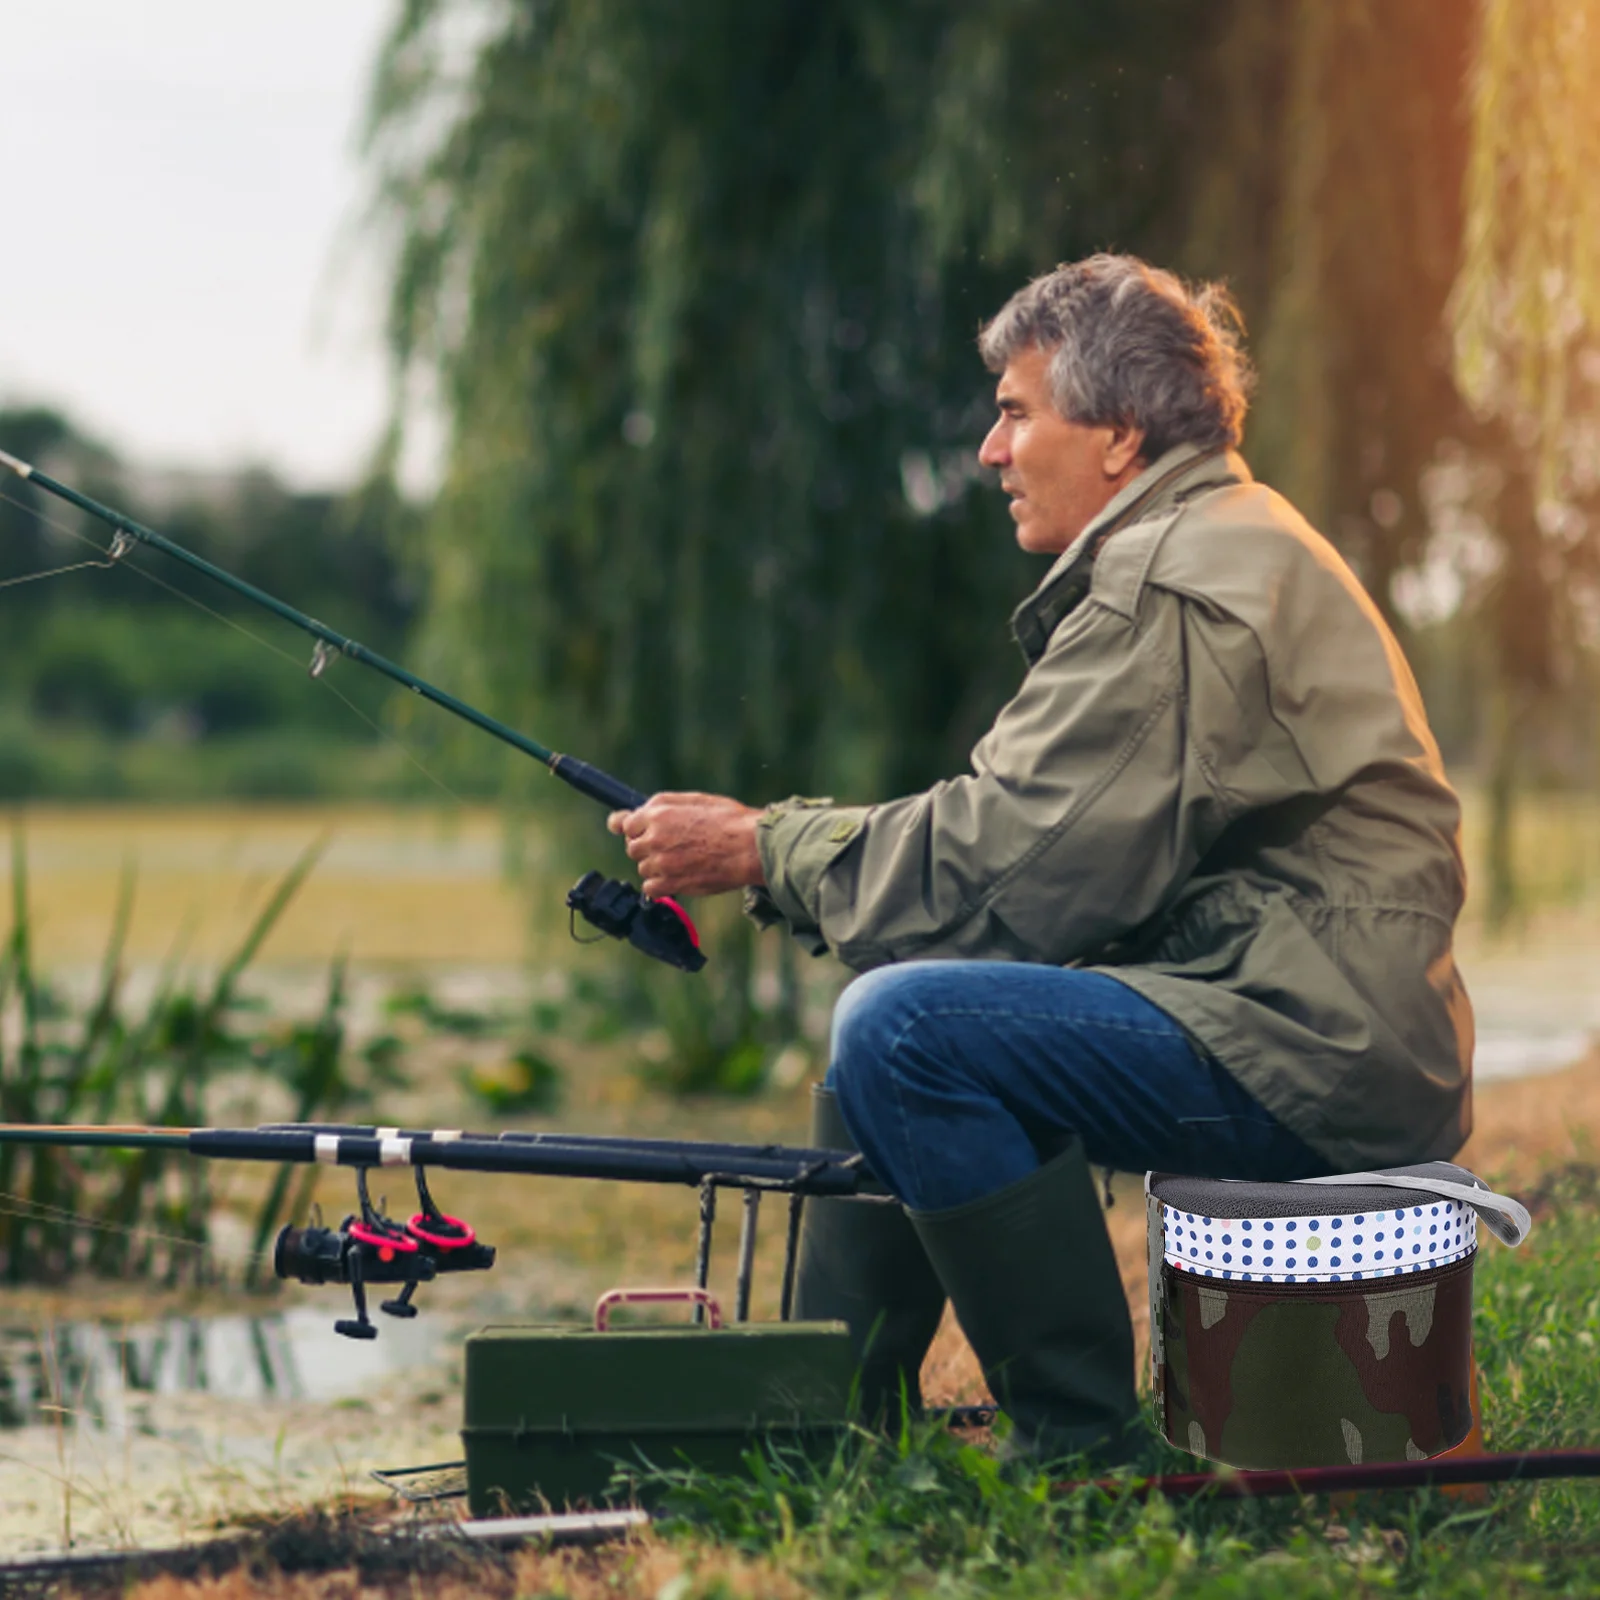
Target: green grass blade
(321, 1088)
(103, 1018)
(266, 920)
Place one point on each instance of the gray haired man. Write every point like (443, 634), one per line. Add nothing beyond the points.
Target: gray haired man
(1191, 908)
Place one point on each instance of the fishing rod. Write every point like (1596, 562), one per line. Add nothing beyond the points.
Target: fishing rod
(1442, 1472)
(552, 1155)
(369, 1247)
(660, 927)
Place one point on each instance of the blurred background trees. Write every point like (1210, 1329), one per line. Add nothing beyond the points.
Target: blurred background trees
(697, 287)
(1526, 323)
(702, 284)
(114, 687)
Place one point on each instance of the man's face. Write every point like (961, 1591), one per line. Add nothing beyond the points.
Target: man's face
(1059, 474)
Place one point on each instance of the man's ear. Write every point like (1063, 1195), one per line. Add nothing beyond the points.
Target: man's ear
(1124, 449)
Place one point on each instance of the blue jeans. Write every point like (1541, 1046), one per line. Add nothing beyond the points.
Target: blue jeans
(958, 1078)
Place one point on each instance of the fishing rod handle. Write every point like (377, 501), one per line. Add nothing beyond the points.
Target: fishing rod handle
(598, 785)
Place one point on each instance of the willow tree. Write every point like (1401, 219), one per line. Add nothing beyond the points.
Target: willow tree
(1526, 322)
(700, 285)
(1347, 218)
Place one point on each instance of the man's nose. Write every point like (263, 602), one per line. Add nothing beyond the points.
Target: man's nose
(994, 451)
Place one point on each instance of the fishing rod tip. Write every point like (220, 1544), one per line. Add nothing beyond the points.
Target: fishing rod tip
(21, 468)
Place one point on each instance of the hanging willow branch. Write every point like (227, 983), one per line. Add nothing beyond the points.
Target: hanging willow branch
(1528, 293)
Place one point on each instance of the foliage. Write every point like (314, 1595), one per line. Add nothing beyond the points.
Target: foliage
(324, 552)
(417, 1001)
(526, 1083)
(1332, 201)
(310, 1060)
(108, 676)
(703, 290)
(134, 1212)
(1525, 316)
(721, 1032)
(1528, 297)
(523, 1081)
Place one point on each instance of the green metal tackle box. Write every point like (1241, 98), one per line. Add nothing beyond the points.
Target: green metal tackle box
(550, 1412)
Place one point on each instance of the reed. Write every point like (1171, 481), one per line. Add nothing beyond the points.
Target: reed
(137, 1213)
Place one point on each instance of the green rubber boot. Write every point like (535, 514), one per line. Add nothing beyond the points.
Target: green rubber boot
(1034, 1281)
(860, 1263)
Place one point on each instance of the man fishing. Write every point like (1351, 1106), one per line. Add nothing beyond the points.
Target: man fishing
(1191, 909)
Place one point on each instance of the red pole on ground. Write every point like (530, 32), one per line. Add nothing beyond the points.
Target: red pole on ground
(1525, 1466)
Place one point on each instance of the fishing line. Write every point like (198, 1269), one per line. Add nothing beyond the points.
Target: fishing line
(52, 572)
(294, 661)
(384, 734)
(26, 1210)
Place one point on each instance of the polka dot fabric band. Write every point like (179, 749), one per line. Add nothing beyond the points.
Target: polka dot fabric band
(1320, 1249)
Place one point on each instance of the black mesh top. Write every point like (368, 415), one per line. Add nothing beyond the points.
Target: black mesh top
(1227, 1197)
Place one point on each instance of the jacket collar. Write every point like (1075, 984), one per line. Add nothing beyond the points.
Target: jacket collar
(1163, 488)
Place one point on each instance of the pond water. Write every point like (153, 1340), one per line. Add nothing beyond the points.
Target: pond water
(94, 1373)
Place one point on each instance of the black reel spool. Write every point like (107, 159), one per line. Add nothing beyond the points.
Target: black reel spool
(660, 928)
(371, 1248)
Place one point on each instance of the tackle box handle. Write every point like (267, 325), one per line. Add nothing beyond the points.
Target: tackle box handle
(613, 1298)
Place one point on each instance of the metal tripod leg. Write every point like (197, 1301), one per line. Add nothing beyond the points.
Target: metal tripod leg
(702, 1260)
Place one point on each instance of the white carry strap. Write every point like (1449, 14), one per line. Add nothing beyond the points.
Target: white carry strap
(1505, 1218)
(1154, 1235)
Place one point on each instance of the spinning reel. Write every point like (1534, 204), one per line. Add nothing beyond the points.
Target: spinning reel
(371, 1248)
(660, 928)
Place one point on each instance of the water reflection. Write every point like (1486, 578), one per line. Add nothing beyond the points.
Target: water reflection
(95, 1373)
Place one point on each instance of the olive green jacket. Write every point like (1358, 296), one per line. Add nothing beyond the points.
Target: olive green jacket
(1217, 784)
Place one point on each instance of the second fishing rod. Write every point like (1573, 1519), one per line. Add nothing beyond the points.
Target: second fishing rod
(659, 928)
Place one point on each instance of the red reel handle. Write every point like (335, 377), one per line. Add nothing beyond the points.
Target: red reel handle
(388, 1237)
(682, 916)
(422, 1225)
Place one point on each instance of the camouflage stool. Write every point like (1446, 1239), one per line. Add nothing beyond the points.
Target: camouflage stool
(1320, 1322)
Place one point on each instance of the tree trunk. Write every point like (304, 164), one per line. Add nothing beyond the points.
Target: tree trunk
(1525, 674)
(1500, 865)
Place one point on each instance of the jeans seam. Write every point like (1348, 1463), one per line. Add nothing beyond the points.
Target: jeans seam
(924, 1013)
(907, 1143)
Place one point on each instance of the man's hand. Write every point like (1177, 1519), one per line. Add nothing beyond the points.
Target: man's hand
(689, 844)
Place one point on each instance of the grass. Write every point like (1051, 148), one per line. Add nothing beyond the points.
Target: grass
(137, 1213)
(106, 1066)
(929, 1514)
(411, 889)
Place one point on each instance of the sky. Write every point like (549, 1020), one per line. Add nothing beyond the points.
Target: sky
(182, 267)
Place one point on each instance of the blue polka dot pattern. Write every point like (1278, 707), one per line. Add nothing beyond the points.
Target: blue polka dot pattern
(1331, 1249)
